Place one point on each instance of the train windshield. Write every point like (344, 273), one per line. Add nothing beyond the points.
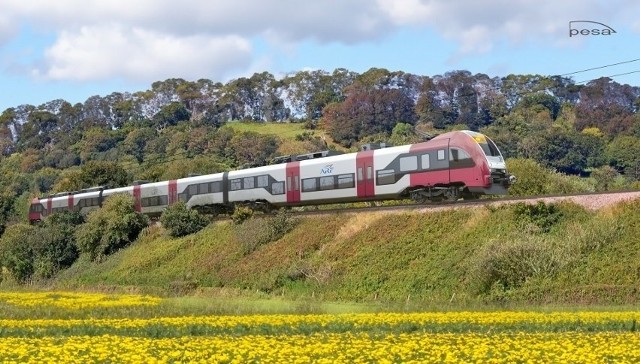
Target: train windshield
(488, 146)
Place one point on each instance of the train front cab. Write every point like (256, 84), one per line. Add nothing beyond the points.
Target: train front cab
(496, 179)
(36, 211)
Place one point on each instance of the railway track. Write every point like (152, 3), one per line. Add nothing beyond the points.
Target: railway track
(589, 200)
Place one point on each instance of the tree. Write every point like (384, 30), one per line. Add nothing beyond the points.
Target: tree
(16, 251)
(98, 173)
(624, 153)
(180, 220)
(54, 244)
(110, 228)
(171, 115)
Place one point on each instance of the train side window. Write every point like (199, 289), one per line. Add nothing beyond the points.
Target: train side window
(346, 181)
(308, 185)
(458, 155)
(386, 177)
(262, 181)
(95, 201)
(441, 154)
(327, 183)
(277, 188)
(360, 176)
(215, 186)
(248, 183)
(235, 184)
(424, 161)
(193, 190)
(289, 187)
(296, 185)
(408, 164)
(203, 188)
(369, 173)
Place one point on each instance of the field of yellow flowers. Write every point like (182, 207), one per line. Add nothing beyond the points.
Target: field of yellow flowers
(45, 327)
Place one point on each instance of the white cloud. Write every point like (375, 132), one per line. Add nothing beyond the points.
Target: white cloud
(96, 53)
(478, 25)
(154, 39)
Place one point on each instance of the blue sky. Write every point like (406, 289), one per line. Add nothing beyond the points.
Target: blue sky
(75, 49)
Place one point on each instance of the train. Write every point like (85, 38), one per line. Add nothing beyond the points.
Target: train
(451, 166)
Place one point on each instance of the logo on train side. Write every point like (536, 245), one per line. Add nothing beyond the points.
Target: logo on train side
(327, 169)
(588, 27)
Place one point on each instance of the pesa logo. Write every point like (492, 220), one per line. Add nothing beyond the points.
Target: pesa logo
(578, 27)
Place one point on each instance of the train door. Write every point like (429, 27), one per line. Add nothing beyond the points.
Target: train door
(293, 182)
(173, 192)
(364, 174)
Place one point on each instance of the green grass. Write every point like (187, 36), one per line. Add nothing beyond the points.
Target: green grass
(283, 130)
(457, 258)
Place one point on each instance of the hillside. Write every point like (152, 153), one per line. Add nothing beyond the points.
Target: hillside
(567, 255)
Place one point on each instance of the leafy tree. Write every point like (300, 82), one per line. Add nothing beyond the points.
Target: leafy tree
(38, 130)
(54, 244)
(97, 173)
(605, 177)
(541, 100)
(171, 115)
(624, 153)
(16, 253)
(181, 220)
(252, 148)
(110, 228)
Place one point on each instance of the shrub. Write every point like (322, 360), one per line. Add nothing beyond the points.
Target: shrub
(180, 220)
(541, 215)
(110, 228)
(54, 244)
(16, 253)
(241, 214)
(254, 233)
(509, 264)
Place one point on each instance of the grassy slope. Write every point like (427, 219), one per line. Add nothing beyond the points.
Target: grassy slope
(431, 258)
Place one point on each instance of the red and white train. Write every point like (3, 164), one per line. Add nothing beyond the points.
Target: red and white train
(458, 164)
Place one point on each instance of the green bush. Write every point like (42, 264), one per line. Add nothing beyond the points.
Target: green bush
(54, 245)
(253, 233)
(16, 251)
(180, 220)
(509, 264)
(110, 228)
(541, 215)
(241, 214)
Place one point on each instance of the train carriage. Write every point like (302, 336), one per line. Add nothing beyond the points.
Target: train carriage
(454, 165)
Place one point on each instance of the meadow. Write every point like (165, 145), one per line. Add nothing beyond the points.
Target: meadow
(106, 327)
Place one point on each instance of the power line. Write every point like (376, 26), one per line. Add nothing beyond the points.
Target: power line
(611, 76)
(600, 67)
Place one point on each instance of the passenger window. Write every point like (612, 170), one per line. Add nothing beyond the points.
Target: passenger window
(386, 177)
(441, 155)
(248, 183)
(327, 183)
(424, 160)
(277, 188)
(235, 184)
(308, 185)
(408, 164)
(345, 181)
(262, 181)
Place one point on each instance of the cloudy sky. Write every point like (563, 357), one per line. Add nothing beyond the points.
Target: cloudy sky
(74, 49)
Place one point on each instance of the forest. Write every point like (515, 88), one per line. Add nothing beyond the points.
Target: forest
(179, 127)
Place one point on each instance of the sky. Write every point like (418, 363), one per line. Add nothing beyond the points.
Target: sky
(75, 49)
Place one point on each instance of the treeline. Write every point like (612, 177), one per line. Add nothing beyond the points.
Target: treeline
(178, 127)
